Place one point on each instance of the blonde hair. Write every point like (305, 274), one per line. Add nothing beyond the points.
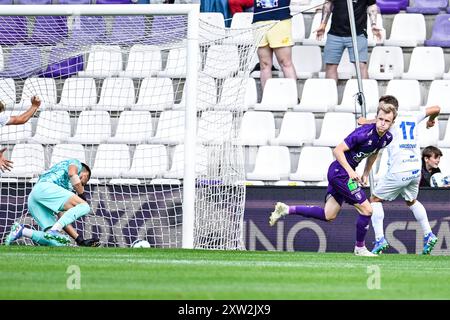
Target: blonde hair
(387, 108)
(2, 106)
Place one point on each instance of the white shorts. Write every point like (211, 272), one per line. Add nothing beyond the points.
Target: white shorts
(392, 185)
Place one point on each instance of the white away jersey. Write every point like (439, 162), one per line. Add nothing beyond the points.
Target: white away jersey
(404, 150)
(4, 119)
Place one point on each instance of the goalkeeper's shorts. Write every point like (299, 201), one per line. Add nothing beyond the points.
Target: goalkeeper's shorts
(45, 201)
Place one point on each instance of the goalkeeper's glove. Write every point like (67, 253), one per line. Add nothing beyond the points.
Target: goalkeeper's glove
(82, 196)
(93, 242)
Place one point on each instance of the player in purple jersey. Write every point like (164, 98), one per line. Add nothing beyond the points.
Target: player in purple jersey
(344, 182)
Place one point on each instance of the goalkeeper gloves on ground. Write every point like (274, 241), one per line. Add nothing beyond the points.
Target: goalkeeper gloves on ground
(93, 242)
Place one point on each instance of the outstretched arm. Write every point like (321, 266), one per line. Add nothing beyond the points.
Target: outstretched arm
(24, 117)
(5, 164)
(369, 164)
(373, 12)
(327, 8)
(338, 153)
(432, 113)
(75, 179)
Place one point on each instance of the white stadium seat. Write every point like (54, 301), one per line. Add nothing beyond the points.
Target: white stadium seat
(336, 126)
(143, 61)
(428, 137)
(149, 161)
(155, 94)
(52, 127)
(8, 92)
(298, 27)
(311, 40)
(272, 164)
(407, 93)
(133, 127)
(93, 127)
(237, 94)
(111, 160)
(177, 168)
(307, 61)
(257, 128)
(28, 159)
(117, 94)
(427, 63)
(215, 127)
(77, 94)
(445, 142)
(15, 133)
(103, 61)
(176, 64)
(170, 128)
(296, 129)
(319, 95)
(44, 88)
(370, 90)
(240, 31)
(67, 151)
(313, 164)
(206, 94)
(408, 30)
(386, 63)
(222, 61)
(279, 94)
(212, 26)
(439, 95)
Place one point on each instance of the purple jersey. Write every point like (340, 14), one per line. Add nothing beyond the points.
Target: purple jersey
(362, 142)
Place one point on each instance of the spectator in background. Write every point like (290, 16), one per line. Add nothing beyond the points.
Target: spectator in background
(217, 6)
(340, 37)
(431, 156)
(239, 5)
(278, 39)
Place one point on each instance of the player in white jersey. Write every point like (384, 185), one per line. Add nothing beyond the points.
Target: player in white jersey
(6, 120)
(403, 175)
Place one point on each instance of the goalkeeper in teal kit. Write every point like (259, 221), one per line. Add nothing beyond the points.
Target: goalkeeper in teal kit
(54, 206)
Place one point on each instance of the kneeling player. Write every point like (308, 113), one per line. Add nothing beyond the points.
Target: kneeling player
(54, 206)
(363, 142)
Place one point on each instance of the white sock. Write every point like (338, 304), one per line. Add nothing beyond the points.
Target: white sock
(27, 233)
(421, 216)
(57, 227)
(377, 219)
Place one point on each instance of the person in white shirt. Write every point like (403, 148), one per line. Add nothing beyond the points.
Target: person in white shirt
(403, 175)
(6, 120)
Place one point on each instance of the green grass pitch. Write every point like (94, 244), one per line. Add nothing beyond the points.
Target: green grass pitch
(106, 273)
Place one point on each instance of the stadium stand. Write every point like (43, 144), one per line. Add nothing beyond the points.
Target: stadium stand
(371, 94)
(133, 127)
(257, 128)
(149, 161)
(407, 93)
(215, 26)
(221, 131)
(440, 36)
(240, 32)
(13, 30)
(103, 62)
(392, 6)
(155, 94)
(64, 151)
(49, 30)
(15, 134)
(8, 92)
(111, 160)
(439, 94)
(88, 30)
(77, 94)
(93, 127)
(272, 164)
(29, 161)
(408, 30)
(53, 127)
(297, 128)
(307, 61)
(66, 67)
(298, 27)
(335, 127)
(427, 6)
(135, 30)
(45, 88)
(230, 90)
(116, 95)
(170, 128)
(427, 63)
(319, 95)
(222, 61)
(445, 142)
(386, 63)
(313, 164)
(13, 66)
(143, 61)
(279, 94)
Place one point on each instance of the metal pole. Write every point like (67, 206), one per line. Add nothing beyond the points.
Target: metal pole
(361, 100)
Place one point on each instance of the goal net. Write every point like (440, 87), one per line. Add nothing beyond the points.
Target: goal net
(115, 95)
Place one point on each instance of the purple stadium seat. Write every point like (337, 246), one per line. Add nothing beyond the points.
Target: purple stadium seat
(392, 6)
(113, 2)
(87, 30)
(167, 29)
(6, 1)
(427, 6)
(48, 30)
(448, 10)
(22, 62)
(63, 63)
(34, 2)
(127, 30)
(74, 1)
(12, 30)
(440, 36)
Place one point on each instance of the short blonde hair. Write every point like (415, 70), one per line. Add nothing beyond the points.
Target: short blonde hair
(387, 108)
(2, 106)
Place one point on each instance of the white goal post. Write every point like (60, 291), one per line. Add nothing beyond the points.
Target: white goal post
(133, 194)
